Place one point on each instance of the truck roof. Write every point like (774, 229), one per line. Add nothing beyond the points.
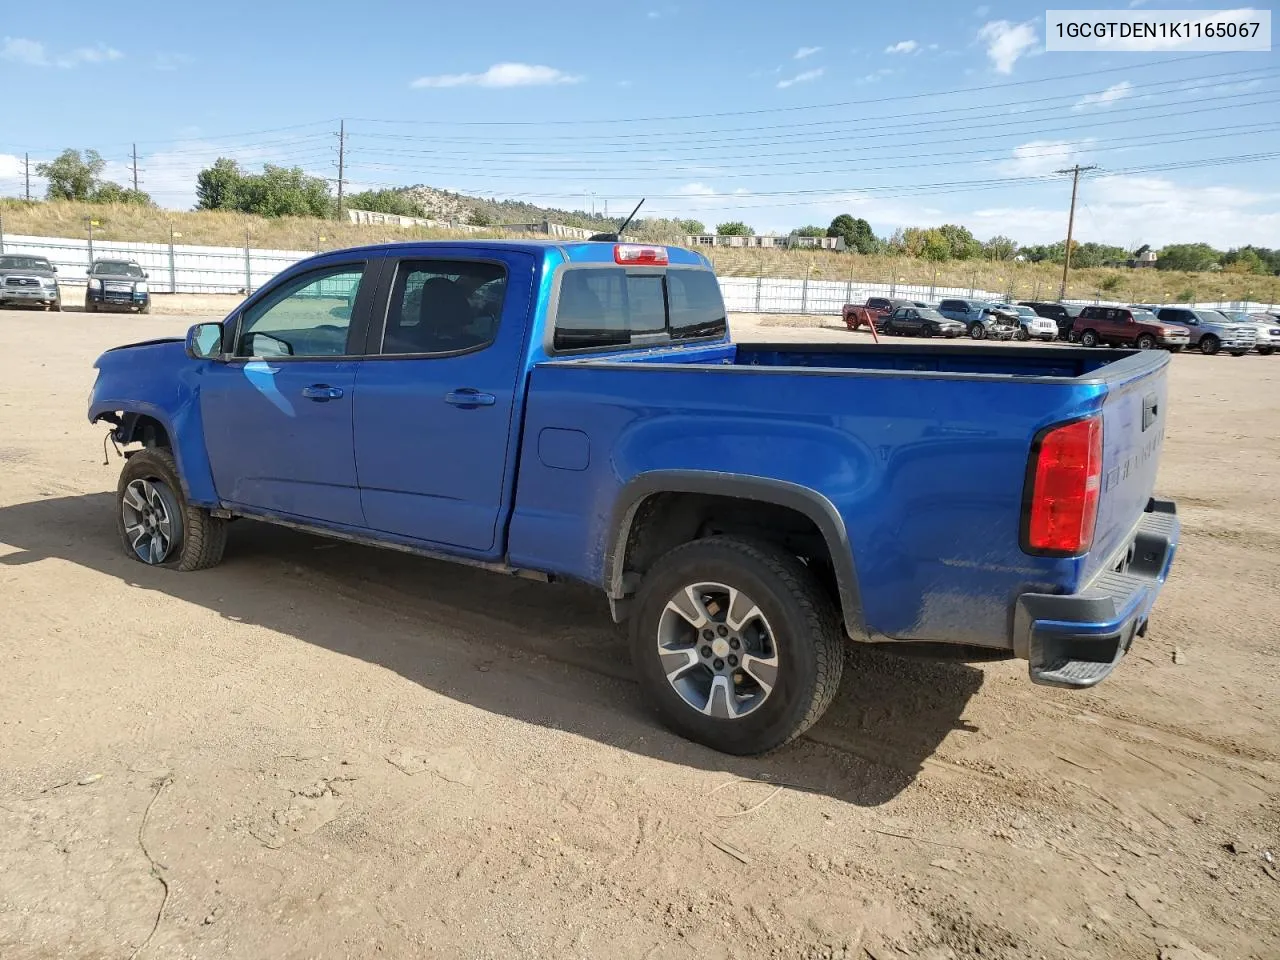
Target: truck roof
(575, 251)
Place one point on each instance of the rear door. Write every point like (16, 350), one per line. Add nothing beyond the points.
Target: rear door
(433, 413)
(277, 413)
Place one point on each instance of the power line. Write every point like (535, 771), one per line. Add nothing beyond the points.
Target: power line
(963, 91)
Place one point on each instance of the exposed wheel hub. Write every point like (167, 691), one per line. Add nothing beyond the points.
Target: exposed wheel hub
(717, 650)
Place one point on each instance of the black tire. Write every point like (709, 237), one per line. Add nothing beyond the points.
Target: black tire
(1177, 349)
(977, 331)
(1146, 342)
(57, 306)
(802, 618)
(145, 308)
(1022, 334)
(927, 330)
(1089, 338)
(1209, 344)
(200, 537)
(1238, 353)
(1264, 351)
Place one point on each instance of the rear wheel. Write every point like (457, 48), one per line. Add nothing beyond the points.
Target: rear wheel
(927, 330)
(977, 331)
(1146, 342)
(156, 524)
(736, 644)
(1209, 344)
(1089, 338)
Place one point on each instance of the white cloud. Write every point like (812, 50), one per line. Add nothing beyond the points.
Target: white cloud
(1040, 157)
(1107, 97)
(33, 53)
(903, 46)
(501, 75)
(806, 52)
(1007, 42)
(1115, 209)
(806, 77)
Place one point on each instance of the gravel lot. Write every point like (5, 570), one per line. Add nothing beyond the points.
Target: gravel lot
(321, 750)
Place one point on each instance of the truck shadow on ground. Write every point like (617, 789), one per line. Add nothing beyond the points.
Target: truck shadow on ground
(380, 606)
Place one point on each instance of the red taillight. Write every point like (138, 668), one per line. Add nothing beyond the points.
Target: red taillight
(632, 254)
(1066, 481)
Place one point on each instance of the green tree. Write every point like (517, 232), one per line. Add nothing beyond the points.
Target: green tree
(1096, 254)
(735, 228)
(692, 228)
(857, 233)
(1244, 260)
(72, 175)
(383, 201)
(937, 246)
(108, 192)
(218, 187)
(999, 248)
(809, 232)
(961, 243)
(1111, 283)
(1188, 256)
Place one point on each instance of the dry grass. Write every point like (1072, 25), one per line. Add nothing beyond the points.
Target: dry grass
(1017, 280)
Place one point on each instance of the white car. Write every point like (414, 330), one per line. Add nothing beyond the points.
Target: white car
(1268, 328)
(1030, 323)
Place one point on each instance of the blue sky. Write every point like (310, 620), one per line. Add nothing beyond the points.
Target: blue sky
(911, 113)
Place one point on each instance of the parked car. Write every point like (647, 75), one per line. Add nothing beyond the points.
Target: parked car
(1126, 327)
(29, 280)
(1266, 329)
(117, 283)
(874, 311)
(923, 321)
(746, 508)
(980, 319)
(1210, 331)
(1030, 324)
(1062, 314)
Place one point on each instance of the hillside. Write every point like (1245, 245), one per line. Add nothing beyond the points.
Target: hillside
(1022, 280)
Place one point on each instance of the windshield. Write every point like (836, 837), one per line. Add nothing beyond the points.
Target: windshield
(1144, 316)
(24, 263)
(1236, 316)
(117, 268)
(1209, 316)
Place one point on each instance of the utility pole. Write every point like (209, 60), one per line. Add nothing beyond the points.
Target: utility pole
(1071, 222)
(342, 157)
(135, 168)
(26, 173)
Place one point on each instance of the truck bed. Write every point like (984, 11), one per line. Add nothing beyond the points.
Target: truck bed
(922, 449)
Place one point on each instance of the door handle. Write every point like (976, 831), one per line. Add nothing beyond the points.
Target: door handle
(469, 398)
(320, 392)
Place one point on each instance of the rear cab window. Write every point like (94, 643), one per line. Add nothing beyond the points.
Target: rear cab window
(601, 307)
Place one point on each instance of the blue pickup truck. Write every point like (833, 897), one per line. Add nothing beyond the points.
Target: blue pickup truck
(578, 410)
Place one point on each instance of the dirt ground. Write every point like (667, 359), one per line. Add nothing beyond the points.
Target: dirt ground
(322, 750)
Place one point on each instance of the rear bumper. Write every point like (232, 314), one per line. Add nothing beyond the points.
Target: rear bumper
(1076, 640)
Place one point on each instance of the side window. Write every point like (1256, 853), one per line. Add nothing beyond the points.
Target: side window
(951, 305)
(876, 303)
(307, 317)
(444, 306)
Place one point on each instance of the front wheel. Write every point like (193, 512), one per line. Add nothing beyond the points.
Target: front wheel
(90, 307)
(926, 330)
(978, 332)
(1146, 342)
(736, 644)
(1209, 344)
(1022, 334)
(156, 524)
(1238, 353)
(1089, 338)
(1264, 351)
(145, 308)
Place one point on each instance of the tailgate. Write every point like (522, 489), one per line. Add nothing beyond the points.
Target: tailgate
(1133, 423)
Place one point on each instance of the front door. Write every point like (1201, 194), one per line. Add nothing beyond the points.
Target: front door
(277, 414)
(435, 398)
